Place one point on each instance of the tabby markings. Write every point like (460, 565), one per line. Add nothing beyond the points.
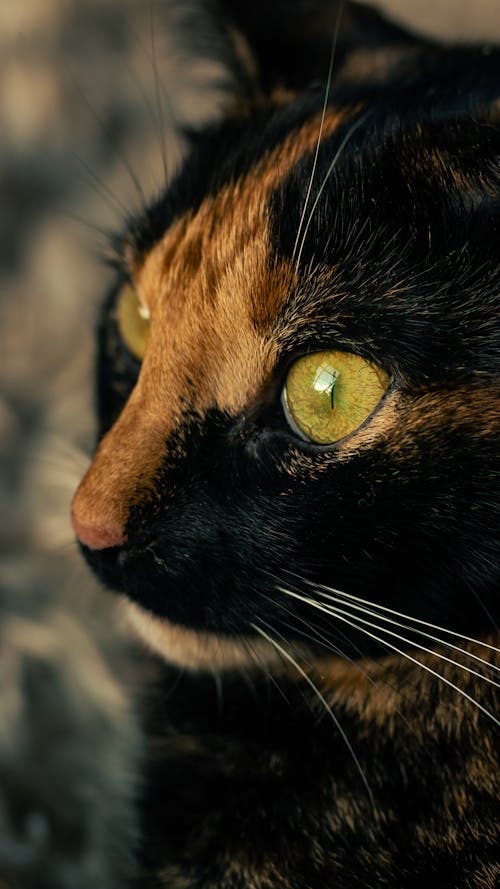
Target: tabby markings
(212, 296)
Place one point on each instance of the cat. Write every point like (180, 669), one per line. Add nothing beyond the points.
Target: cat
(295, 486)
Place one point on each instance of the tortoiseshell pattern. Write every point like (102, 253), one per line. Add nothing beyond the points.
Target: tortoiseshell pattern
(216, 505)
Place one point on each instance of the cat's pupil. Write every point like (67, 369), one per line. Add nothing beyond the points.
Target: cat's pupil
(325, 380)
(328, 395)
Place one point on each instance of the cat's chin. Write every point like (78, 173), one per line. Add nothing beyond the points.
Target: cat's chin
(197, 650)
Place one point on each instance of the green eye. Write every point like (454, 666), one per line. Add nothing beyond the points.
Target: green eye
(327, 395)
(133, 321)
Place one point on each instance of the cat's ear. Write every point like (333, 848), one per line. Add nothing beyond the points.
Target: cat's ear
(233, 52)
(291, 40)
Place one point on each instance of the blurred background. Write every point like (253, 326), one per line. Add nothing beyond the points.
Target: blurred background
(81, 108)
(90, 92)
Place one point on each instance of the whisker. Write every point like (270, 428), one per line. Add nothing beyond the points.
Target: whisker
(323, 115)
(247, 673)
(318, 587)
(157, 115)
(159, 561)
(147, 103)
(316, 636)
(102, 189)
(351, 623)
(118, 150)
(486, 611)
(337, 610)
(311, 627)
(319, 637)
(355, 126)
(374, 613)
(428, 669)
(285, 654)
(437, 654)
(160, 118)
(265, 669)
(178, 677)
(105, 233)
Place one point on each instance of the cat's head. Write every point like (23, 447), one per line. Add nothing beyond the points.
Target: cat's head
(298, 363)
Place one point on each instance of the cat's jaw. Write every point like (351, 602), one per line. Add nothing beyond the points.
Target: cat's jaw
(197, 650)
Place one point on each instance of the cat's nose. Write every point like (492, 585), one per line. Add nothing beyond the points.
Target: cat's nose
(97, 537)
(122, 468)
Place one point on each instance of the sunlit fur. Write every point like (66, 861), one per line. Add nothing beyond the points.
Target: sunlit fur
(200, 651)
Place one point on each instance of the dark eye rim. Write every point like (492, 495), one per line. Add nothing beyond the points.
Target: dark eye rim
(124, 281)
(266, 418)
(134, 362)
(294, 430)
(108, 328)
(289, 418)
(279, 424)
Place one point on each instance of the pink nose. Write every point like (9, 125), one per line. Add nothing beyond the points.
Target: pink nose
(97, 538)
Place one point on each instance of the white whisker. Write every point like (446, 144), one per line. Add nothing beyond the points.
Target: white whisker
(323, 700)
(323, 114)
(355, 126)
(374, 613)
(258, 660)
(310, 626)
(330, 610)
(336, 610)
(318, 587)
(159, 103)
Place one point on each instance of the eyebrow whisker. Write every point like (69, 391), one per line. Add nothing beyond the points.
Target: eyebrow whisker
(323, 115)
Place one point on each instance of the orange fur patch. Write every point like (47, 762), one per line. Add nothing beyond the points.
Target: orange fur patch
(213, 297)
(473, 409)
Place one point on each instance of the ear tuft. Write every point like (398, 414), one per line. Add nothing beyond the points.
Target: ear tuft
(292, 39)
(210, 64)
(229, 54)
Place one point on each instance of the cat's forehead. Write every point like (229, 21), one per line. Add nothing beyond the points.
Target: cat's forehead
(284, 170)
(214, 285)
(329, 232)
(228, 207)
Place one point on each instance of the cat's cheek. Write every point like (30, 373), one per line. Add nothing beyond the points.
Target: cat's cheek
(196, 650)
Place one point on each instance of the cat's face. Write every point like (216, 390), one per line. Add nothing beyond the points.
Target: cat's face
(296, 373)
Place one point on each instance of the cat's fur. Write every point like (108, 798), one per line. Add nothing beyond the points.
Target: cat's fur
(360, 768)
